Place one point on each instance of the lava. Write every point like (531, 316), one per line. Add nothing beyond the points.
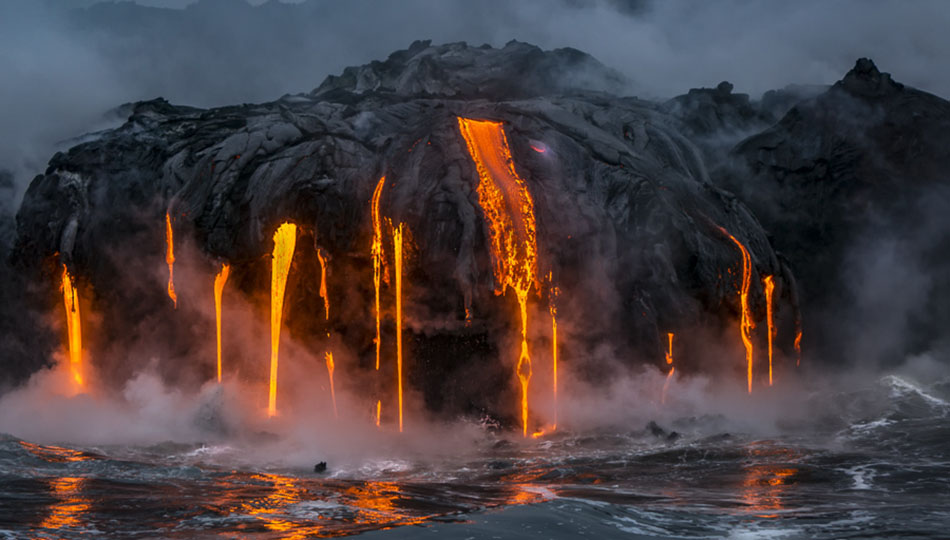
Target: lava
(397, 248)
(219, 281)
(798, 345)
(326, 307)
(769, 289)
(377, 253)
(669, 361)
(746, 323)
(170, 259)
(379, 410)
(285, 240)
(509, 213)
(552, 307)
(73, 327)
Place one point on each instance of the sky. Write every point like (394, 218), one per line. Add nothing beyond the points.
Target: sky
(67, 62)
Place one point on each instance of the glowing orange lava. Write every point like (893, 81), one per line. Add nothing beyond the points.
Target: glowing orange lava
(379, 410)
(219, 281)
(170, 259)
(798, 346)
(326, 306)
(73, 327)
(509, 213)
(377, 253)
(746, 323)
(552, 307)
(669, 361)
(397, 248)
(285, 241)
(769, 289)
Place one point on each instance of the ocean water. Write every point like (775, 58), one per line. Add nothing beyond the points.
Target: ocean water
(860, 474)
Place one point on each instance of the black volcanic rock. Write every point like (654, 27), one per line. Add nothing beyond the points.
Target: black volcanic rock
(842, 176)
(628, 223)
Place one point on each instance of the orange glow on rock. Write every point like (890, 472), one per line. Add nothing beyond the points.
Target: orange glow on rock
(219, 281)
(170, 259)
(285, 241)
(769, 289)
(509, 213)
(746, 324)
(73, 327)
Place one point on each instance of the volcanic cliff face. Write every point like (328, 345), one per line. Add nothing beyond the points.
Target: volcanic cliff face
(852, 186)
(629, 227)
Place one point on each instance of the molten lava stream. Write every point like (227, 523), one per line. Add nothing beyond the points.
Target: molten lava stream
(377, 253)
(669, 361)
(746, 323)
(285, 240)
(509, 213)
(798, 344)
(326, 307)
(219, 281)
(552, 307)
(73, 327)
(170, 259)
(397, 248)
(769, 289)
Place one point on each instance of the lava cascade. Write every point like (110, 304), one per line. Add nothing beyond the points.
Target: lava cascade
(376, 252)
(552, 307)
(669, 362)
(219, 281)
(170, 258)
(769, 284)
(509, 213)
(73, 327)
(326, 307)
(397, 250)
(798, 346)
(746, 323)
(285, 240)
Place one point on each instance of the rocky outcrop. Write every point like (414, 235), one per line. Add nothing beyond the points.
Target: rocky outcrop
(848, 181)
(629, 227)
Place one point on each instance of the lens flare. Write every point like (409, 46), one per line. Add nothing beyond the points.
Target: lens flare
(170, 259)
(397, 248)
(746, 323)
(509, 213)
(73, 327)
(769, 289)
(285, 241)
(377, 253)
(219, 281)
(669, 361)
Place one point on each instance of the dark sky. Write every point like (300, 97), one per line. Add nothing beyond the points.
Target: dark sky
(65, 62)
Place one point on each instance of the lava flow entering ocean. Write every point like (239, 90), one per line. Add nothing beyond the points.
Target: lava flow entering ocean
(746, 324)
(285, 240)
(73, 327)
(769, 284)
(669, 361)
(219, 280)
(509, 213)
(326, 307)
(170, 259)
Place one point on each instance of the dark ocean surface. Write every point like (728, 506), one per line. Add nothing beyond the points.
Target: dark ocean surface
(879, 469)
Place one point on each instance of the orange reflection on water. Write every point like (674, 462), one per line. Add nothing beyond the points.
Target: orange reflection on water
(271, 510)
(377, 504)
(55, 454)
(765, 483)
(70, 505)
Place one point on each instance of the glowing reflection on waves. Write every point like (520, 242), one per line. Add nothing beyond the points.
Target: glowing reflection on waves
(70, 506)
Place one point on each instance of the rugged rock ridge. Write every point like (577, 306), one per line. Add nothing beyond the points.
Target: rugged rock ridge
(628, 221)
(841, 177)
